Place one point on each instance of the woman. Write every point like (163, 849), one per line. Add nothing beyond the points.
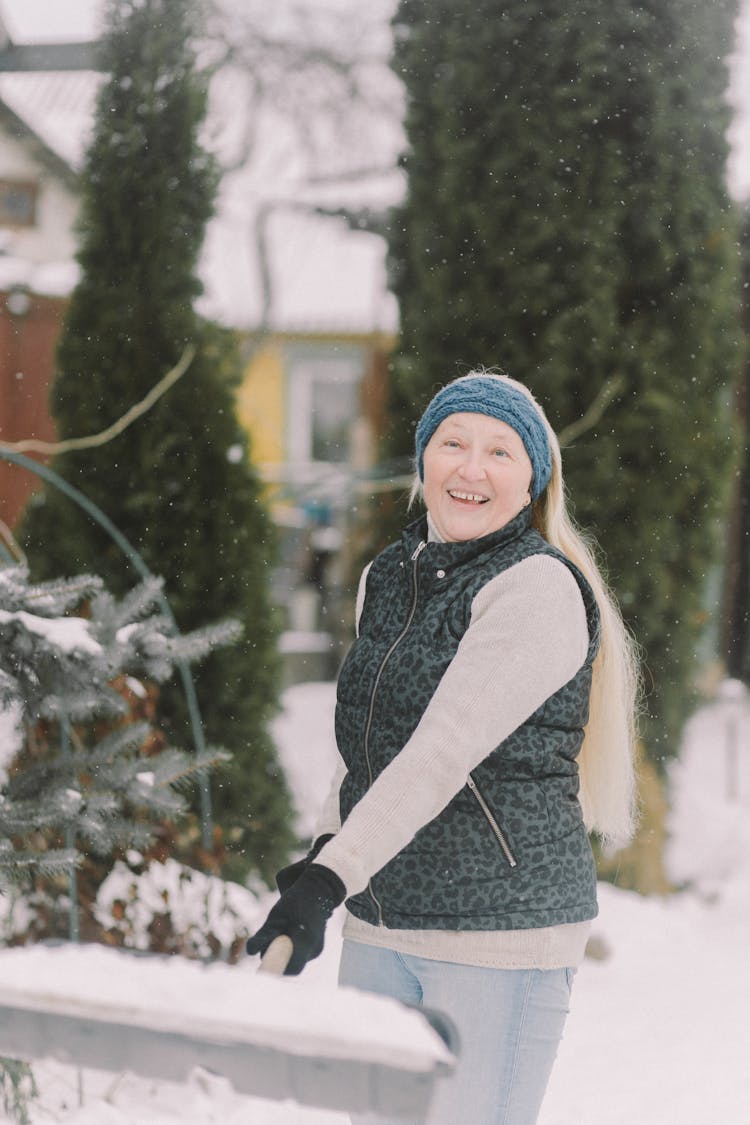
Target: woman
(457, 829)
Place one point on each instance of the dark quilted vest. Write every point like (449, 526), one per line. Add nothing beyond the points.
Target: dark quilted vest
(510, 850)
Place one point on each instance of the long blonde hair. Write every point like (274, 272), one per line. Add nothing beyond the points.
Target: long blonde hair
(606, 760)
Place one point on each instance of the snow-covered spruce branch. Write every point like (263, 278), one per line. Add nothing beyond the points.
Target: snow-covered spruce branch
(77, 766)
(49, 599)
(175, 769)
(33, 445)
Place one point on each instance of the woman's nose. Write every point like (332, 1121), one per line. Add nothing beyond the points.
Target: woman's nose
(472, 466)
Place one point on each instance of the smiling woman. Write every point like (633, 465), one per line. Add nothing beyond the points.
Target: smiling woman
(477, 476)
(485, 723)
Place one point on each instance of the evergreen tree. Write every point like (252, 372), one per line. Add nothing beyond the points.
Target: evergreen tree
(567, 222)
(76, 779)
(178, 484)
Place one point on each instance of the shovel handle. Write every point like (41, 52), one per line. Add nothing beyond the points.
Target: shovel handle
(277, 956)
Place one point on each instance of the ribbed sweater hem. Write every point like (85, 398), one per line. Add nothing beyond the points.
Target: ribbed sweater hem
(547, 947)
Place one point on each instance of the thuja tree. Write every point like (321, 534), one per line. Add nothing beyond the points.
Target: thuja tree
(178, 484)
(566, 220)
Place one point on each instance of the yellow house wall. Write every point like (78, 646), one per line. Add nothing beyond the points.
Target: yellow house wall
(260, 405)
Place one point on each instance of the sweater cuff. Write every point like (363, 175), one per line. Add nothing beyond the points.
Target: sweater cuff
(349, 870)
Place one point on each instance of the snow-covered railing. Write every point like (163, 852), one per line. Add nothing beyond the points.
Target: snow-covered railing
(279, 1038)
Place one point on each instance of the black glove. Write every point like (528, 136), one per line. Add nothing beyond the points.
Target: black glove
(301, 913)
(288, 876)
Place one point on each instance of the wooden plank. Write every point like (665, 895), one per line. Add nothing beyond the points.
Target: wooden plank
(156, 1048)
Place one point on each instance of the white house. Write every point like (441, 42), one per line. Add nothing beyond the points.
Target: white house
(280, 264)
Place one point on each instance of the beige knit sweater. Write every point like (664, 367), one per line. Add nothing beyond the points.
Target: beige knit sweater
(526, 638)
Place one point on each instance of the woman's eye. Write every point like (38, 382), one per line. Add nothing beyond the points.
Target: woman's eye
(501, 453)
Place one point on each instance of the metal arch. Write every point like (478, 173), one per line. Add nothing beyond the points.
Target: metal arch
(137, 561)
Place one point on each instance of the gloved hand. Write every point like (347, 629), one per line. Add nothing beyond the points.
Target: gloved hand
(301, 913)
(288, 876)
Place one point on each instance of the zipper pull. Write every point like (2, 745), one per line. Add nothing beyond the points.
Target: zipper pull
(421, 546)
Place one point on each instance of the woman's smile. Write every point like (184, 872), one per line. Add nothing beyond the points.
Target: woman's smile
(467, 497)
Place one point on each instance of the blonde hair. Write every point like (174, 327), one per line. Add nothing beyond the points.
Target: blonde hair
(606, 760)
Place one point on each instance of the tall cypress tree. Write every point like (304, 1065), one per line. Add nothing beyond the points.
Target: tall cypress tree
(179, 483)
(567, 221)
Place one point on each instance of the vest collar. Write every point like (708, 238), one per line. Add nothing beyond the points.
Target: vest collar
(457, 554)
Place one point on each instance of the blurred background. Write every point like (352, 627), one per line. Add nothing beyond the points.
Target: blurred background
(355, 204)
(241, 245)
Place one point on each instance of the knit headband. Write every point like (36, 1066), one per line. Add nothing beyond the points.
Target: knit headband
(497, 398)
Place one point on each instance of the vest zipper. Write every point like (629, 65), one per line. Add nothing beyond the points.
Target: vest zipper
(414, 559)
(497, 830)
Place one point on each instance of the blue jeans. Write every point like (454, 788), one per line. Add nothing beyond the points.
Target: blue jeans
(510, 1023)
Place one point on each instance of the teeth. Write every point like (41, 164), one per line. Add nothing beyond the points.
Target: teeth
(467, 496)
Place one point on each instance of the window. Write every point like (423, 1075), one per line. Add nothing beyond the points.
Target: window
(17, 203)
(322, 408)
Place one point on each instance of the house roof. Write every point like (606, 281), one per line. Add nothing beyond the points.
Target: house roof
(56, 108)
(271, 259)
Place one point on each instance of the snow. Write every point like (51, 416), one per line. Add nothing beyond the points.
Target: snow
(49, 20)
(738, 96)
(66, 633)
(658, 1031)
(305, 731)
(322, 276)
(173, 993)
(51, 279)
(11, 736)
(710, 825)
(199, 905)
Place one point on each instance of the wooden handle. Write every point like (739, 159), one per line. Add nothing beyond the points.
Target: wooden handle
(277, 956)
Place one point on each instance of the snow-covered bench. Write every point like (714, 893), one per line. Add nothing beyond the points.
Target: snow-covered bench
(272, 1037)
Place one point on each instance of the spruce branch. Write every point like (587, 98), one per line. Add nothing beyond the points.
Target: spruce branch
(132, 607)
(93, 441)
(45, 599)
(118, 742)
(175, 768)
(16, 865)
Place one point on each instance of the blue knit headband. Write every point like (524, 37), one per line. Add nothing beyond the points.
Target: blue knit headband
(497, 398)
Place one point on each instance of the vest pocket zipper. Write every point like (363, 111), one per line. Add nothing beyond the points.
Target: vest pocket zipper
(376, 902)
(490, 818)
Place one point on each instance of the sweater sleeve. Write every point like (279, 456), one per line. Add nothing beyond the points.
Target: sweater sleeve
(527, 637)
(329, 819)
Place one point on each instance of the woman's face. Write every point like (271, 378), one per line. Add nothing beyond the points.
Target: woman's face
(477, 476)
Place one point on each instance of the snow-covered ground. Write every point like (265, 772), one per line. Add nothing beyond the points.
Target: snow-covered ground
(658, 1033)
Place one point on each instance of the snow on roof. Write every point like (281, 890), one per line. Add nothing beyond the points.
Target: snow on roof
(50, 279)
(324, 276)
(58, 106)
(50, 20)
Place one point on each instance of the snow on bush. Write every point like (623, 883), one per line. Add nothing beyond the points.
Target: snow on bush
(709, 823)
(169, 908)
(17, 915)
(11, 736)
